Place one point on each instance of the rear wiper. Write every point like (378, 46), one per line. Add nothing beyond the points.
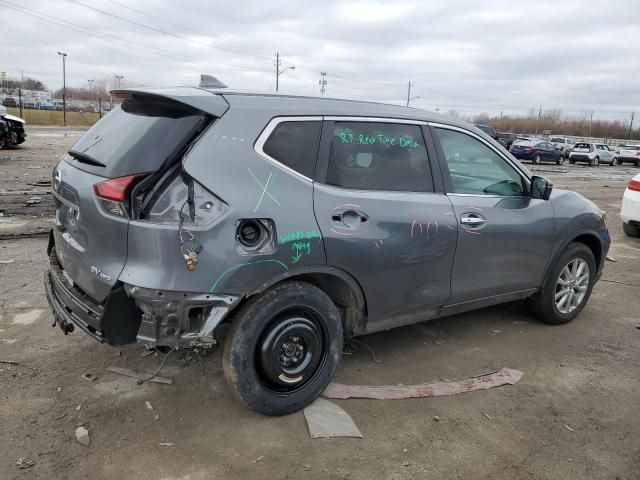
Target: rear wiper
(84, 158)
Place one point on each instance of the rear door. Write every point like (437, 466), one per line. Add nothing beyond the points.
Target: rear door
(505, 237)
(143, 135)
(381, 218)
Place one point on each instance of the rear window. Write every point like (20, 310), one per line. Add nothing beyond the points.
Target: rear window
(295, 144)
(557, 140)
(137, 136)
(583, 145)
(631, 147)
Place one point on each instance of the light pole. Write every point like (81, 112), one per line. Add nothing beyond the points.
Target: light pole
(118, 78)
(64, 88)
(279, 72)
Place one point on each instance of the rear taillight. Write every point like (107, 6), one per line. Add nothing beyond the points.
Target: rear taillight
(638, 153)
(634, 185)
(529, 149)
(114, 192)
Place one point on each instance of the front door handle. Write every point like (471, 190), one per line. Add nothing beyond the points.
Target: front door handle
(472, 219)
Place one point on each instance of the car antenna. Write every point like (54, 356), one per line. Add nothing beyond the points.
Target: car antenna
(207, 81)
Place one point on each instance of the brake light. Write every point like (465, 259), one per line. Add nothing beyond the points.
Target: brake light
(116, 189)
(634, 185)
(638, 153)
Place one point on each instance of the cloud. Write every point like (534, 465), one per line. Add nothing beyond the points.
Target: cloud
(492, 56)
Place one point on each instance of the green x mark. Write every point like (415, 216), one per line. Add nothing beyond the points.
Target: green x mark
(265, 188)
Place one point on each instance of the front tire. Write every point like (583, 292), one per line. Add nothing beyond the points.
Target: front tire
(536, 160)
(630, 230)
(283, 348)
(560, 161)
(567, 287)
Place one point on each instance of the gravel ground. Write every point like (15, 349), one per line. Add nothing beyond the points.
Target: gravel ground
(573, 415)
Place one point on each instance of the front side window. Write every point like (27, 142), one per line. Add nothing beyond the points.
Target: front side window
(295, 144)
(379, 156)
(475, 168)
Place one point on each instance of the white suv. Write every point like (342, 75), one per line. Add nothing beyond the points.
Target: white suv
(592, 153)
(562, 143)
(628, 153)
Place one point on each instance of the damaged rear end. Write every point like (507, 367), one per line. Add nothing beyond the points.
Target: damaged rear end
(122, 180)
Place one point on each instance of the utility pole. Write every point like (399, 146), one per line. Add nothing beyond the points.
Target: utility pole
(409, 93)
(118, 78)
(279, 72)
(590, 122)
(323, 82)
(633, 114)
(90, 85)
(64, 88)
(20, 90)
(538, 120)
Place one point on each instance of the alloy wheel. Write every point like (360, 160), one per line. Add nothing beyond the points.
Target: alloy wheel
(572, 285)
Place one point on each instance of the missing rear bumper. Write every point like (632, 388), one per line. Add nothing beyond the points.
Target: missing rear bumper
(171, 318)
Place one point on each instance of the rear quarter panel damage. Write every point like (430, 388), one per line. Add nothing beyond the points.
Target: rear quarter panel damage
(225, 162)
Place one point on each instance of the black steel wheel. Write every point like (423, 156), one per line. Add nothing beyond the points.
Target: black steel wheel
(283, 348)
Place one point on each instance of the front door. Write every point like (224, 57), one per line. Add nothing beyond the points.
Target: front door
(505, 237)
(382, 221)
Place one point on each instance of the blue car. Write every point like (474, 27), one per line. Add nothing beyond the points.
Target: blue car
(537, 151)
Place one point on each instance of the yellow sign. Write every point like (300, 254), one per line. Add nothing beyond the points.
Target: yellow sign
(3, 74)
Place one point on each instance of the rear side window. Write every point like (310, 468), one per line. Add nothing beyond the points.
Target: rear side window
(379, 156)
(295, 144)
(138, 136)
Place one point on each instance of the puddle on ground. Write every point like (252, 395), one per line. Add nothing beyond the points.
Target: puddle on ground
(26, 318)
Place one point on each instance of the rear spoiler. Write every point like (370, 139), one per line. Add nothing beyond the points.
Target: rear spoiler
(196, 98)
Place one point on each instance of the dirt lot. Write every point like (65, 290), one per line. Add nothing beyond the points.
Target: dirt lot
(574, 415)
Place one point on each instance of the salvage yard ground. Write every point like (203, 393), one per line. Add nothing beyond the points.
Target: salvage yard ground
(574, 414)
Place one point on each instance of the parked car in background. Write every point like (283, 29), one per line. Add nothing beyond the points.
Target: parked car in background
(562, 143)
(628, 153)
(592, 153)
(296, 222)
(489, 130)
(630, 210)
(507, 139)
(537, 151)
(10, 102)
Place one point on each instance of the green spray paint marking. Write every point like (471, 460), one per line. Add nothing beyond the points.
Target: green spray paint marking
(379, 139)
(235, 267)
(264, 189)
(300, 248)
(300, 235)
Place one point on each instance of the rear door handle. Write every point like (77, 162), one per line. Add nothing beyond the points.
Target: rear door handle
(349, 218)
(472, 219)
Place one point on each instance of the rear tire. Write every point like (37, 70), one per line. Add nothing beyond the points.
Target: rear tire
(618, 161)
(595, 162)
(283, 348)
(631, 230)
(560, 283)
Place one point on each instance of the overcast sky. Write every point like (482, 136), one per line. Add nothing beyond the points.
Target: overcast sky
(471, 56)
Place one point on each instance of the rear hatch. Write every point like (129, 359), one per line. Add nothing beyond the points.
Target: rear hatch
(630, 151)
(582, 148)
(95, 183)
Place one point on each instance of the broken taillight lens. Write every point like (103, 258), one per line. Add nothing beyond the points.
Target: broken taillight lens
(113, 193)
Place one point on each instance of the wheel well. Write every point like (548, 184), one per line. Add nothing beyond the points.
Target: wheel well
(346, 296)
(594, 245)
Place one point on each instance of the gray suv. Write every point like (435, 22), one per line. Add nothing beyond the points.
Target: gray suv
(292, 223)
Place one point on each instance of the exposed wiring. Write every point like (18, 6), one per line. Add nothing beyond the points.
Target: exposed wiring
(189, 250)
(352, 341)
(141, 380)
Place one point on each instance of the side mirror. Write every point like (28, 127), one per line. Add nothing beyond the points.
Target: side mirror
(541, 188)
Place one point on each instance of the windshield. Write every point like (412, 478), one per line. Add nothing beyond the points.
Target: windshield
(137, 136)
